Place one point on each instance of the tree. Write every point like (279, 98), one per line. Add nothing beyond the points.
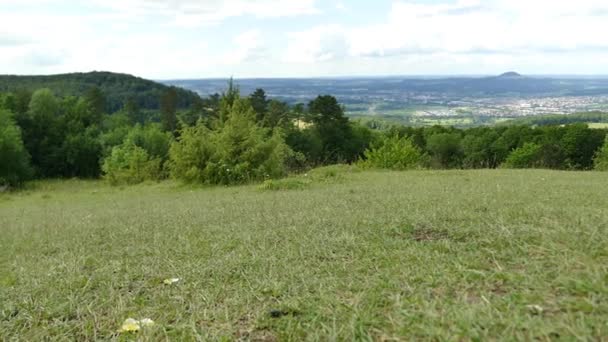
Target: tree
(276, 115)
(333, 128)
(580, 144)
(527, 156)
(42, 135)
(133, 111)
(168, 110)
(81, 152)
(227, 100)
(239, 151)
(446, 150)
(130, 164)
(96, 102)
(393, 153)
(601, 157)
(14, 158)
(259, 102)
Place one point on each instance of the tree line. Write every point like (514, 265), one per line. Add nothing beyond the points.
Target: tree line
(229, 139)
(117, 88)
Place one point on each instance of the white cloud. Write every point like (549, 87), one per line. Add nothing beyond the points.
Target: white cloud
(177, 38)
(321, 44)
(466, 27)
(248, 48)
(191, 13)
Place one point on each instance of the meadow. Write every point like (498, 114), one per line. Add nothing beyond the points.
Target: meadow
(335, 254)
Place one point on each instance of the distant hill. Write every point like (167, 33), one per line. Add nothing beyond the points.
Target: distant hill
(510, 74)
(116, 87)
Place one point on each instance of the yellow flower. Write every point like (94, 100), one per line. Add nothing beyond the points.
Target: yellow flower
(132, 325)
(129, 325)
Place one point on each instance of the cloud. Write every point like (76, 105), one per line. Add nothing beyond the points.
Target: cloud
(192, 13)
(464, 27)
(8, 40)
(321, 44)
(249, 48)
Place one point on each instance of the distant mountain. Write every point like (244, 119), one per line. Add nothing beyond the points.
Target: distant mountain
(510, 74)
(116, 87)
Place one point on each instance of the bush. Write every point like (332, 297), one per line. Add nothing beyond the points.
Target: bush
(601, 158)
(393, 153)
(446, 150)
(239, 151)
(14, 158)
(527, 156)
(130, 164)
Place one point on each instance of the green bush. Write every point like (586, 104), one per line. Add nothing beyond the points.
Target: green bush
(393, 153)
(601, 158)
(527, 156)
(14, 158)
(238, 151)
(131, 164)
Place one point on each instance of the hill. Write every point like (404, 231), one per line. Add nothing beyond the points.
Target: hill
(420, 255)
(116, 87)
(510, 74)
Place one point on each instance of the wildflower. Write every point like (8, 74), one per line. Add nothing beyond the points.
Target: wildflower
(170, 281)
(129, 325)
(535, 309)
(146, 322)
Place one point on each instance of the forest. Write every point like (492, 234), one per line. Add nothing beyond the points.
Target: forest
(231, 138)
(117, 88)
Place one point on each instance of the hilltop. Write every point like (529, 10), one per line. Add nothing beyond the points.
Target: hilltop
(116, 87)
(510, 74)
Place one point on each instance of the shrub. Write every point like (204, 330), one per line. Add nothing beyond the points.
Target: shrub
(238, 151)
(446, 149)
(130, 164)
(14, 158)
(393, 153)
(601, 158)
(152, 139)
(527, 156)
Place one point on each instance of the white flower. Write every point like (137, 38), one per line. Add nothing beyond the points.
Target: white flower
(146, 322)
(170, 281)
(535, 309)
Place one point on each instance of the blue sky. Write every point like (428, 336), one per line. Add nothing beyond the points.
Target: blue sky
(164, 39)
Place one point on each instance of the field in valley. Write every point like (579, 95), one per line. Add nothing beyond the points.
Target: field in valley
(337, 254)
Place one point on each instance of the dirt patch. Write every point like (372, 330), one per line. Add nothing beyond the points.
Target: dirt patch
(245, 331)
(429, 234)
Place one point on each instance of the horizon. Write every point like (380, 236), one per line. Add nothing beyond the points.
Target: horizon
(331, 77)
(189, 39)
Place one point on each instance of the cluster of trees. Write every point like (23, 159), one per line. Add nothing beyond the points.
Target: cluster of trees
(222, 139)
(557, 119)
(570, 147)
(228, 139)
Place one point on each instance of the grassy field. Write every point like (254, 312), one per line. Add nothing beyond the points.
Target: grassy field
(598, 125)
(333, 255)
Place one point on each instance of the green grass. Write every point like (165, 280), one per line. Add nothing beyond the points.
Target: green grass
(422, 255)
(598, 125)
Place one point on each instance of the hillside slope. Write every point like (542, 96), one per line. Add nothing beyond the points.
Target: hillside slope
(116, 87)
(413, 256)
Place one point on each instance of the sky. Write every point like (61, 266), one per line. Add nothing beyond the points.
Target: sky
(176, 39)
